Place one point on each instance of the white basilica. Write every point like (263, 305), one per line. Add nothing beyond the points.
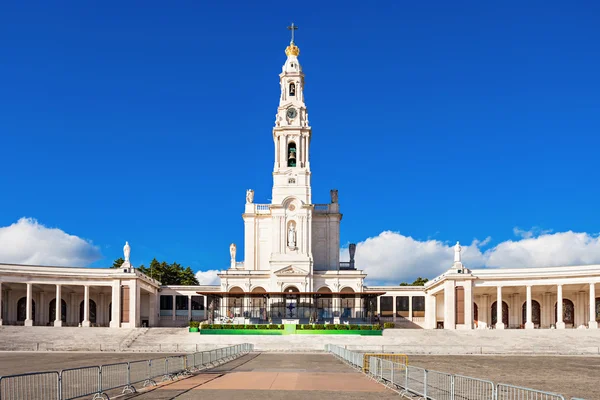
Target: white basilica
(291, 242)
(292, 270)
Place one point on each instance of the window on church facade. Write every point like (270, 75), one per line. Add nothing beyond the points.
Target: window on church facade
(402, 306)
(166, 305)
(418, 306)
(292, 89)
(386, 306)
(181, 305)
(292, 154)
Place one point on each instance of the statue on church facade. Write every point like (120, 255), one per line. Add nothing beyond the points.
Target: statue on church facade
(126, 251)
(334, 195)
(457, 250)
(249, 196)
(292, 236)
(232, 250)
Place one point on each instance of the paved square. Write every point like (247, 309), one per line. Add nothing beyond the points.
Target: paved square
(276, 376)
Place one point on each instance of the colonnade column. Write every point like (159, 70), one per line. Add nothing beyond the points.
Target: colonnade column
(28, 317)
(189, 307)
(100, 310)
(394, 310)
(449, 305)
(559, 308)
(206, 306)
(41, 315)
(1, 304)
(152, 309)
(174, 307)
(592, 324)
(410, 312)
(86, 306)
(499, 321)
(58, 314)
(430, 311)
(115, 310)
(468, 300)
(529, 313)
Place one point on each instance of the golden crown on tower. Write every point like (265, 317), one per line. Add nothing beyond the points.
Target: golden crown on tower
(292, 50)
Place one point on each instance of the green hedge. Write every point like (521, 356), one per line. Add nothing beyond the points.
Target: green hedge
(300, 327)
(241, 326)
(194, 324)
(388, 325)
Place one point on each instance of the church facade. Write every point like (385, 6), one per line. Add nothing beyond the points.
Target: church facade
(291, 270)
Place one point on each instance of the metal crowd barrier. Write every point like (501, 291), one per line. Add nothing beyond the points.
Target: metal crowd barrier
(38, 385)
(395, 357)
(510, 392)
(73, 383)
(435, 385)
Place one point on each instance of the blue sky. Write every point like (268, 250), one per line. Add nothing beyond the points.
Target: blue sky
(439, 121)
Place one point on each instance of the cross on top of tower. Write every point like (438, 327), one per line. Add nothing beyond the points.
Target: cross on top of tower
(292, 49)
(292, 28)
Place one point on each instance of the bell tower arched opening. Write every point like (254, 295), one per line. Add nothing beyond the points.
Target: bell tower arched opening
(292, 154)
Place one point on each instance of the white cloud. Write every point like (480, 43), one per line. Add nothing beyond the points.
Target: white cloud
(391, 258)
(535, 231)
(29, 242)
(208, 277)
(546, 250)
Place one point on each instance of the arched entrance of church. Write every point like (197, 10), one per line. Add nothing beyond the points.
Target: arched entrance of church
(52, 311)
(291, 302)
(568, 312)
(324, 304)
(504, 314)
(235, 302)
(535, 313)
(348, 302)
(258, 304)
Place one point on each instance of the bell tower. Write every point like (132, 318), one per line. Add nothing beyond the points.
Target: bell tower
(291, 134)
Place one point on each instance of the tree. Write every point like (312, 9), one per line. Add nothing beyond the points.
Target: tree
(418, 282)
(167, 274)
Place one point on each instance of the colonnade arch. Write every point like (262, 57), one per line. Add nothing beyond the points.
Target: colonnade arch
(568, 312)
(22, 309)
(504, 313)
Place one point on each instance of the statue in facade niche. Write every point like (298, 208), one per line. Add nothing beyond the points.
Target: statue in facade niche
(292, 237)
(457, 250)
(334, 195)
(232, 249)
(249, 196)
(126, 251)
